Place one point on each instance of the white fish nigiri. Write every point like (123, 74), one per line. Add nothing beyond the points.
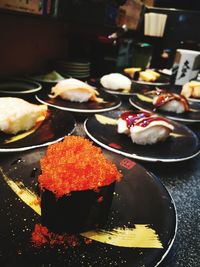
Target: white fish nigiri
(144, 128)
(74, 90)
(18, 115)
(171, 102)
(115, 81)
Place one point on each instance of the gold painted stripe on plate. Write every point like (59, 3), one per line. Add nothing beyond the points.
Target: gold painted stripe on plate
(105, 120)
(24, 193)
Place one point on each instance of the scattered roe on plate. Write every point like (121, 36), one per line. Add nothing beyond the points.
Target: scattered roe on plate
(41, 236)
(75, 164)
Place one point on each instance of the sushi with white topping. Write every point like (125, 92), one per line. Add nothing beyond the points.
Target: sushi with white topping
(115, 81)
(74, 90)
(17, 115)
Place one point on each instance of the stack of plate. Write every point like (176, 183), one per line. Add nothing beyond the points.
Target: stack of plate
(73, 69)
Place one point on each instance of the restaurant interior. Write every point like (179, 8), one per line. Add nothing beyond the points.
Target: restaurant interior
(86, 87)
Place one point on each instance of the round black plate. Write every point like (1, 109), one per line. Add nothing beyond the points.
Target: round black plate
(139, 201)
(57, 124)
(163, 80)
(144, 102)
(111, 102)
(181, 145)
(18, 87)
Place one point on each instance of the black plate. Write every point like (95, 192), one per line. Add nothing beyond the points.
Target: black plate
(144, 102)
(57, 124)
(196, 100)
(18, 87)
(139, 201)
(163, 80)
(181, 145)
(137, 86)
(111, 102)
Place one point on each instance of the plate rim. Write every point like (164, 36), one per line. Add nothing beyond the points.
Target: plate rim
(151, 83)
(115, 92)
(29, 147)
(27, 91)
(25, 148)
(46, 81)
(80, 110)
(194, 100)
(155, 177)
(134, 156)
(175, 229)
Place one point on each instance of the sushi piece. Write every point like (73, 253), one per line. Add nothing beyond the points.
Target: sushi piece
(17, 115)
(171, 102)
(77, 184)
(74, 90)
(149, 76)
(191, 89)
(144, 128)
(115, 81)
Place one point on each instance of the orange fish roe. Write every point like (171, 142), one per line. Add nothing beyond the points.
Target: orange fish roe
(41, 236)
(75, 164)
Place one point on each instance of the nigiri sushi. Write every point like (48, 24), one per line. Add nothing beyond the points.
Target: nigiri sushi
(18, 115)
(171, 102)
(149, 75)
(191, 89)
(143, 127)
(115, 81)
(74, 90)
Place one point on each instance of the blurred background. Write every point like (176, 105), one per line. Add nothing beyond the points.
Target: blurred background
(109, 34)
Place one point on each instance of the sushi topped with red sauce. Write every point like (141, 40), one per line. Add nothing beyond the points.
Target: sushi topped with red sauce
(143, 127)
(171, 102)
